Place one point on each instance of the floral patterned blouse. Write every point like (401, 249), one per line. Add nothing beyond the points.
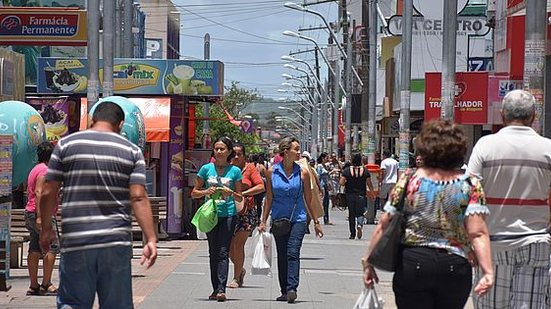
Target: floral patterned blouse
(436, 211)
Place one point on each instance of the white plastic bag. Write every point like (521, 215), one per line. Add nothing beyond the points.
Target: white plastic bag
(262, 254)
(369, 300)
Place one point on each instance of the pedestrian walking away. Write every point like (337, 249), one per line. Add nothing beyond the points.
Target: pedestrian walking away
(388, 176)
(223, 180)
(513, 165)
(356, 179)
(444, 230)
(288, 198)
(103, 178)
(33, 222)
(258, 161)
(247, 221)
(335, 169)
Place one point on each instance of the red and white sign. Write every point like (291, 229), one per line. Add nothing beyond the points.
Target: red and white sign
(471, 97)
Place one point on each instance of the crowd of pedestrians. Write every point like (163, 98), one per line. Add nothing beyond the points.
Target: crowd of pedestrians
(481, 229)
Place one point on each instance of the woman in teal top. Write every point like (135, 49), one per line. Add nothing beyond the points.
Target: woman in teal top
(222, 180)
(288, 197)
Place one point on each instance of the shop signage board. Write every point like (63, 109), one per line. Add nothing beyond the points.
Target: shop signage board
(55, 113)
(42, 26)
(135, 76)
(471, 97)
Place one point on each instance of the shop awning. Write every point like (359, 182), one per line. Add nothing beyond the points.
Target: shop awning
(156, 113)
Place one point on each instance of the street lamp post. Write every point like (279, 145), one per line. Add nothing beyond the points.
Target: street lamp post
(314, 120)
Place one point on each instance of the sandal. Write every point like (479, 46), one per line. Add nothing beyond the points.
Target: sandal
(234, 284)
(33, 291)
(48, 290)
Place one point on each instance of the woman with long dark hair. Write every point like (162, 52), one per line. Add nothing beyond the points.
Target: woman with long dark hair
(356, 179)
(222, 181)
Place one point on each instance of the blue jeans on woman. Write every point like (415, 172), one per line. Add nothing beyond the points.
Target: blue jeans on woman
(325, 205)
(219, 239)
(288, 257)
(106, 271)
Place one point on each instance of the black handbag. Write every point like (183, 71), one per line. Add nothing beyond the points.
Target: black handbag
(386, 253)
(281, 227)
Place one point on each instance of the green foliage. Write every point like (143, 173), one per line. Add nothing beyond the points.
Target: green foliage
(235, 99)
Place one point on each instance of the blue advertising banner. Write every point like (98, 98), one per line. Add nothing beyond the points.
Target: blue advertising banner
(135, 76)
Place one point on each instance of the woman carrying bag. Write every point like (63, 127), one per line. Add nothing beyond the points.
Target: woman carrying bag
(248, 219)
(286, 194)
(444, 232)
(223, 178)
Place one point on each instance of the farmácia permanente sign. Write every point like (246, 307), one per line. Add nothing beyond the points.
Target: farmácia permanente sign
(42, 26)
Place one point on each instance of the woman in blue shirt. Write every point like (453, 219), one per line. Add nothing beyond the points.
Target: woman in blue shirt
(224, 181)
(285, 198)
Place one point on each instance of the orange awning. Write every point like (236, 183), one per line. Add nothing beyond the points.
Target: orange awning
(156, 113)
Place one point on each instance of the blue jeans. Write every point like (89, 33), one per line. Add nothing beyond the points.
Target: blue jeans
(356, 207)
(288, 257)
(325, 204)
(106, 271)
(219, 239)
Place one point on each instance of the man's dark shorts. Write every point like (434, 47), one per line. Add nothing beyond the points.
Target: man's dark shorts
(34, 244)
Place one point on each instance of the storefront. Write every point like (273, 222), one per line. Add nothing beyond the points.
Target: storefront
(166, 92)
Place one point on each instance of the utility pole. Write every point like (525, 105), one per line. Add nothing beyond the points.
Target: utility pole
(366, 89)
(319, 120)
(534, 58)
(128, 45)
(108, 44)
(371, 142)
(206, 105)
(334, 81)
(92, 20)
(405, 95)
(118, 29)
(448, 60)
(347, 66)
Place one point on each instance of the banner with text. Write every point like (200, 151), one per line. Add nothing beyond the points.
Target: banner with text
(471, 97)
(135, 76)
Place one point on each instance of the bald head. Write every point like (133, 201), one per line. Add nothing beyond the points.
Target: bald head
(518, 107)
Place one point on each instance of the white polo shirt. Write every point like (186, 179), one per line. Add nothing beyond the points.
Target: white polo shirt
(515, 167)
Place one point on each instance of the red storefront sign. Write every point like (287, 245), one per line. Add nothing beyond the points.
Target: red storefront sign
(42, 26)
(471, 97)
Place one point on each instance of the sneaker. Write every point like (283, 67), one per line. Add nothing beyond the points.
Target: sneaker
(221, 297)
(291, 297)
(212, 296)
(351, 237)
(359, 231)
(283, 297)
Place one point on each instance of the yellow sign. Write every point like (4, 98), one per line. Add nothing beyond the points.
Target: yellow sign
(128, 76)
(68, 64)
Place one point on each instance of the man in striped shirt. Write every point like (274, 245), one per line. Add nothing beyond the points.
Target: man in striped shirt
(515, 167)
(103, 178)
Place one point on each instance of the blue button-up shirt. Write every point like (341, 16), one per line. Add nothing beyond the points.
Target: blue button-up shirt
(287, 191)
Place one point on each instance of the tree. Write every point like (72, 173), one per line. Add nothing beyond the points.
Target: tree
(235, 99)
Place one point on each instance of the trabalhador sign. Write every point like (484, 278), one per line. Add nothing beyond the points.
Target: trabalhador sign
(42, 26)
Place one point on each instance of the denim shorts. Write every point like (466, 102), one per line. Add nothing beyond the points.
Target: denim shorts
(34, 239)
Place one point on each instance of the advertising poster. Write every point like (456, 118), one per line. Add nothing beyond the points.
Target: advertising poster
(471, 97)
(498, 87)
(176, 171)
(55, 113)
(135, 76)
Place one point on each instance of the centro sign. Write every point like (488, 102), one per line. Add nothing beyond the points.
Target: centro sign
(428, 20)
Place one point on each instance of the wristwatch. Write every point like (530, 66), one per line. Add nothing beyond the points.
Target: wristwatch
(316, 222)
(365, 263)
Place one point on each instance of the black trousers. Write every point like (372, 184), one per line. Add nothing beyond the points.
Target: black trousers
(431, 278)
(219, 247)
(356, 207)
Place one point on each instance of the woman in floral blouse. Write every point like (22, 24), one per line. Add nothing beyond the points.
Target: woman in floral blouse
(445, 231)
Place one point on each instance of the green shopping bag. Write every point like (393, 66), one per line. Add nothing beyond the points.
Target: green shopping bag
(206, 217)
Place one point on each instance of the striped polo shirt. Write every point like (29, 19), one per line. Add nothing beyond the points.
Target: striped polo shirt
(515, 167)
(96, 169)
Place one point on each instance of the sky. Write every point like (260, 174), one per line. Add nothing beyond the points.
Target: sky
(247, 36)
